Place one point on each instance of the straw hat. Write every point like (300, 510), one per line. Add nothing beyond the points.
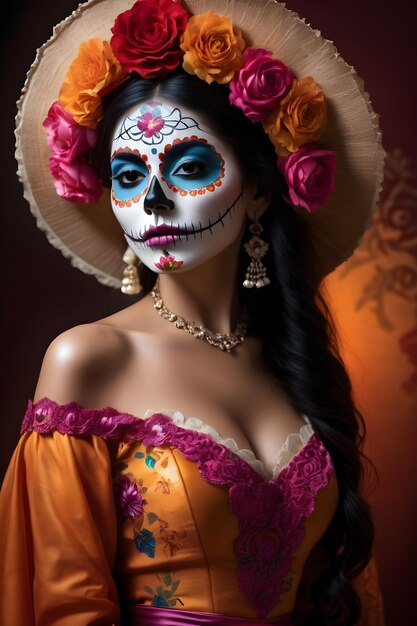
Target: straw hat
(90, 236)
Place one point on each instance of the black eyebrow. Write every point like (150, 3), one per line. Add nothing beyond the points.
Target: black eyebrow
(130, 157)
(178, 147)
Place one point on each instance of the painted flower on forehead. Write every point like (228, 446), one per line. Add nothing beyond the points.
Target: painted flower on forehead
(213, 48)
(93, 73)
(151, 122)
(146, 38)
(300, 118)
(309, 173)
(259, 84)
(168, 263)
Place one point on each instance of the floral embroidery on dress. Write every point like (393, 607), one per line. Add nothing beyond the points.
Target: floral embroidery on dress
(152, 456)
(270, 517)
(270, 513)
(144, 541)
(128, 496)
(163, 595)
(164, 484)
(128, 493)
(170, 538)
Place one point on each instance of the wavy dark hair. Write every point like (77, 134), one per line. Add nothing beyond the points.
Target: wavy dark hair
(298, 335)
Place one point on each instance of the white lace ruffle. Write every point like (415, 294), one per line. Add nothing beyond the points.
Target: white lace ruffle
(291, 446)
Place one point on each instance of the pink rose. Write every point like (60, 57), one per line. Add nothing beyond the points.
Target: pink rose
(146, 38)
(75, 180)
(259, 84)
(309, 173)
(66, 138)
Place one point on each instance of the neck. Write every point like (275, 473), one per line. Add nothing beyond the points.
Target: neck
(207, 294)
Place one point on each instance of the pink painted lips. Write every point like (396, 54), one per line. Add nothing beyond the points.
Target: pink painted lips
(161, 235)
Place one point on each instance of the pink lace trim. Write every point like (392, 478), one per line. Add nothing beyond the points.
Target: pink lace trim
(270, 513)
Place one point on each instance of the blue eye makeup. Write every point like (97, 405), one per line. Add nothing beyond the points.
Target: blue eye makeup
(191, 165)
(130, 176)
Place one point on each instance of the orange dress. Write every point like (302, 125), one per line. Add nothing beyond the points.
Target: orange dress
(101, 509)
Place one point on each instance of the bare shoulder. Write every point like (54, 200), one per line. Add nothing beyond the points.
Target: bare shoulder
(77, 363)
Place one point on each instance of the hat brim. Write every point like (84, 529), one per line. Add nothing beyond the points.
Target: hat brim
(89, 235)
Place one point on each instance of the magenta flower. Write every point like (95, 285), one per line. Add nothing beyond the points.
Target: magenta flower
(75, 180)
(260, 84)
(129, 501)
(66, 138)
(168, 263)
(149, 124)
(309, 173)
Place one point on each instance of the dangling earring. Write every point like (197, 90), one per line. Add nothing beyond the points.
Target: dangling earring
(256, 248)
(130, 281)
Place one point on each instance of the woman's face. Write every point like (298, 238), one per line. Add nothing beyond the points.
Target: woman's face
(178, 190)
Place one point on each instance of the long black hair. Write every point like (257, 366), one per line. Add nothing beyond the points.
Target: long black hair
(295, 325)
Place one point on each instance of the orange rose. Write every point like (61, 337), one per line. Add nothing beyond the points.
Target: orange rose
(93, 73)
(300, 118)
(213, 48)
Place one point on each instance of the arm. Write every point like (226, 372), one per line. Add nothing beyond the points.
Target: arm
(58, 524)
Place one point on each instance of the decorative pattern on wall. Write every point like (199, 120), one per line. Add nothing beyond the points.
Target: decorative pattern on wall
(389, 250)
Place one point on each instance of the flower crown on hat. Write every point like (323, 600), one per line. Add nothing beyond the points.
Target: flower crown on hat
(151, 39)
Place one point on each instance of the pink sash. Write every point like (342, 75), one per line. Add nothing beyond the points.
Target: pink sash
(147, 615)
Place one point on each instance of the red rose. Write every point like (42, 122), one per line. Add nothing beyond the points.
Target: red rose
(146, 38)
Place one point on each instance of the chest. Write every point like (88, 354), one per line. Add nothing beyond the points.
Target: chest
(233, 394)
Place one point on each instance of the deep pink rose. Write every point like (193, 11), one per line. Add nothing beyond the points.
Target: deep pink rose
(309, 173)
(66, 138)
(146, 38)
(75, 180)
(259, 84)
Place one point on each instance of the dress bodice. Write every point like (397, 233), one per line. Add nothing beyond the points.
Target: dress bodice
(200, 524)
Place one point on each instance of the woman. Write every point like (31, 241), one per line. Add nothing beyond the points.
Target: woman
(250, 512)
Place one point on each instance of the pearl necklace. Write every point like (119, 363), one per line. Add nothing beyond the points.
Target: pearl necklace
(223, 341)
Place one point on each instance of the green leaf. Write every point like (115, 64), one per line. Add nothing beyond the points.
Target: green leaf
(166, 593)
(174, 586)
(167, 578)
(172, 602)
(159, 590)
(152, 517)
(149, 590)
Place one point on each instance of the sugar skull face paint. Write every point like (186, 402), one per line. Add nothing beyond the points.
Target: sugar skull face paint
(177, 188)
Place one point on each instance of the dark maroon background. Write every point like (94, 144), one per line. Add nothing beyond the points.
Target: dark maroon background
(42, 295)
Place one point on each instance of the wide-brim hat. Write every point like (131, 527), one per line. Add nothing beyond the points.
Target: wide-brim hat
(90, 236)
